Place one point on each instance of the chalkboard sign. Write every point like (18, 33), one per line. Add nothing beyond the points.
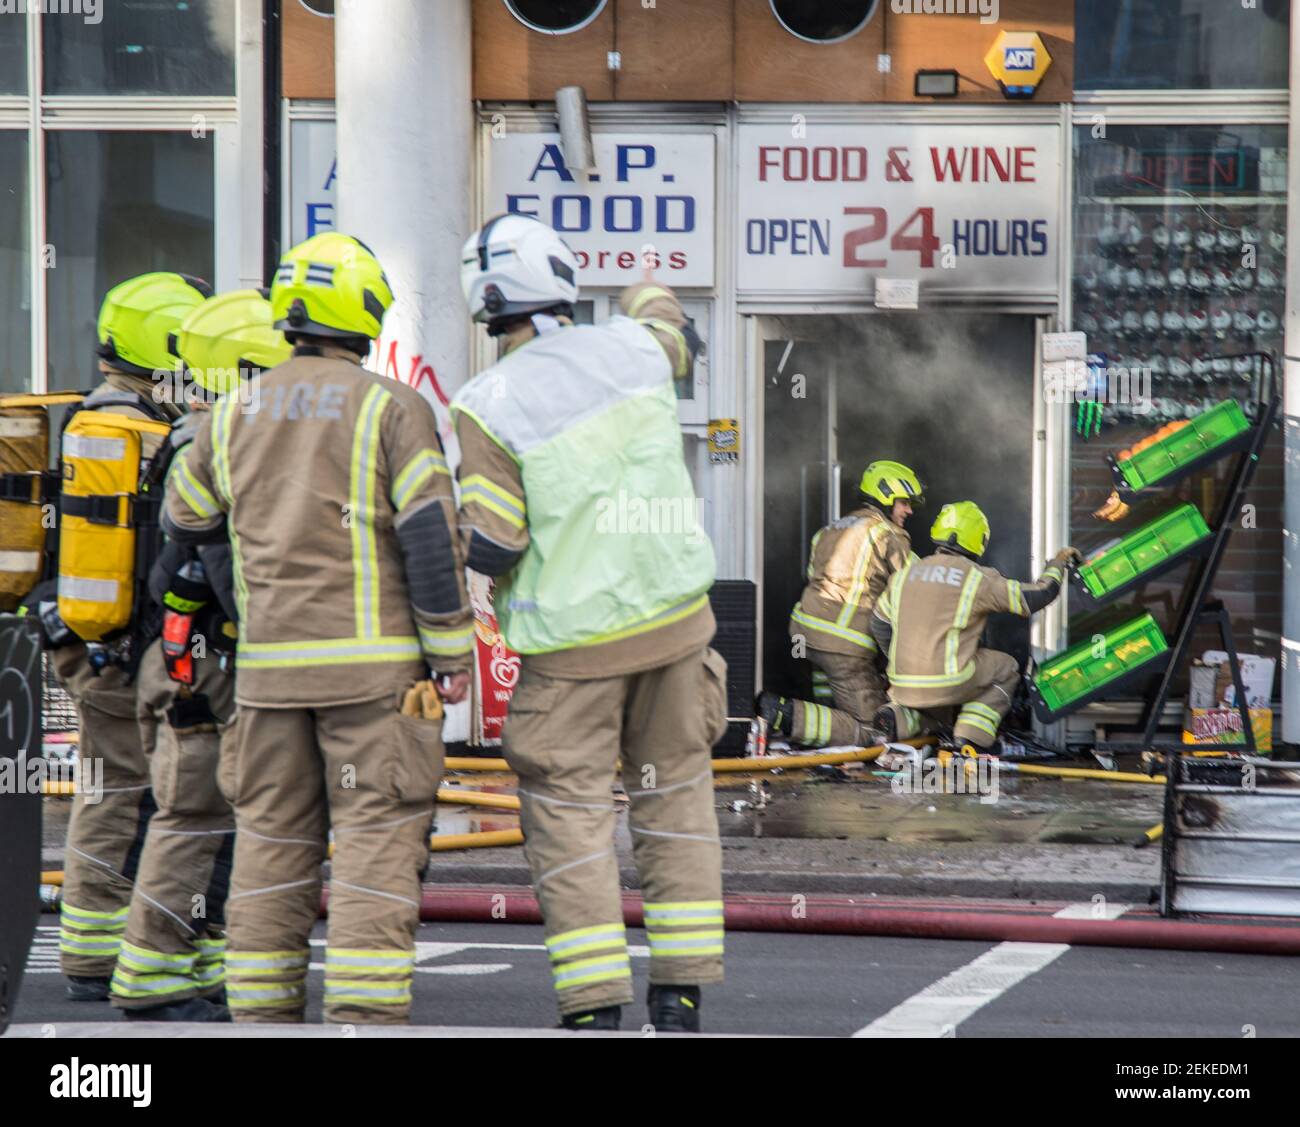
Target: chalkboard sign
(20, 803)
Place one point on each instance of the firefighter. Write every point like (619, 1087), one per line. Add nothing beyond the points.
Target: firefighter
(172, 962)
(849, 564)
(930, 618)
(565, 445)
(106, 830)
(331, 484)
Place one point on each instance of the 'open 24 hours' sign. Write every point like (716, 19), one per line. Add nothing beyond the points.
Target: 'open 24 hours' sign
(649, 190)
(961, 208)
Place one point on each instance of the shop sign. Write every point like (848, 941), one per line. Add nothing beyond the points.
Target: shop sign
(313, 179)
(959, 208)
(651, 197)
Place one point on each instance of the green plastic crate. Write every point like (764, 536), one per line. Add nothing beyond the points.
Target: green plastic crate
(1069, 678)
(1144, 549)
(1208, 430)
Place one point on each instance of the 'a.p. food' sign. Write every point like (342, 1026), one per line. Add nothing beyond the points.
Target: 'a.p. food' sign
(960, 208)
(648, 191)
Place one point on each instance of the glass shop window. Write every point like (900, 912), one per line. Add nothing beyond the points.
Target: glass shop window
(1179, 276)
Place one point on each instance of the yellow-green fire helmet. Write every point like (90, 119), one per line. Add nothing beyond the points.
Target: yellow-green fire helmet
(230, 337)
(330, 286)
(887, 482)
(139, 316)
(962, 525)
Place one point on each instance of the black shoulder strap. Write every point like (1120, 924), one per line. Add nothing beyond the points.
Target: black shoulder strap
(105, 398)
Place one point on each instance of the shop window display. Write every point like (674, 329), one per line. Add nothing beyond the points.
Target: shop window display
(1179, 276)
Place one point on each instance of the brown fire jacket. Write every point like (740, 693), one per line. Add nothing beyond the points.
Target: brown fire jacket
(932, 614)
(851, 561)
(332, 486)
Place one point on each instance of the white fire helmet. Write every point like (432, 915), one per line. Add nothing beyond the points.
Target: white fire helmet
(1133, 279)
(1205, 240)
(1197, 319)
(1267, 279)
(1221, 321)
(1243, 365)
(515, 265)
(1173, 323)
(1228, 239)
(1182, 236)
(1160, 237)
(1277, 241)
(1243, 323)
(1243, 279)
(1156, 282)
(1199, 280)
(1178, 278)
(1151, 321)
(1268, 321)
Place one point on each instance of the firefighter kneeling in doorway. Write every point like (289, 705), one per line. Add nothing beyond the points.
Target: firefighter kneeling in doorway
(573, 426)
(930, 619)
(850, 563)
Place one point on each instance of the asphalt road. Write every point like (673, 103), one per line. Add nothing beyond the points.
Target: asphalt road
(496, 975)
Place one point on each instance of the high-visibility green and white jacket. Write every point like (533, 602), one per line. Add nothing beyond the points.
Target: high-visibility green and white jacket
(848, 567)
(575, 493)
(332, 486)
(932, 615)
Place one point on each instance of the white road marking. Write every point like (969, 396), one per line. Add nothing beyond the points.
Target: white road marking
(938, 1009)
(1102, 910)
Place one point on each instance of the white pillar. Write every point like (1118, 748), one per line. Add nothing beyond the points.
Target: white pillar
(406, 171)
(1291, 413)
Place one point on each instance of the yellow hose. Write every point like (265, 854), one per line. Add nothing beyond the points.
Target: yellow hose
(752, 763)
(438, 843)
(1082, 773)
(484, 839)
(477, 798)
(1155, 833)
(469, 763)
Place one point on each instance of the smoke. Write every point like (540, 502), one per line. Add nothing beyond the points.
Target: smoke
(949, 394)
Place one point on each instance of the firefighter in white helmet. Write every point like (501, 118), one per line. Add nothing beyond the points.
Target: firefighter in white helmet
(573, 426)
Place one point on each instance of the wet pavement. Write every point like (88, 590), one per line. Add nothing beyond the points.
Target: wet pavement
(849, 831)
(845, 805)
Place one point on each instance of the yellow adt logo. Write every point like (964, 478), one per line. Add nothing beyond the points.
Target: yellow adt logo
(1018, 60)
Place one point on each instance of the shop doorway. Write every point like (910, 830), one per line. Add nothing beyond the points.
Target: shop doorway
(950, 393)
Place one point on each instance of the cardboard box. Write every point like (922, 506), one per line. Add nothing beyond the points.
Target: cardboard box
(1256, 677)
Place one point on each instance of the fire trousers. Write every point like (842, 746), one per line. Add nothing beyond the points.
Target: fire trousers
(855, 686)
(981, 701)
(109, 815)
(175, 942)
(292, 774)
(563, 738)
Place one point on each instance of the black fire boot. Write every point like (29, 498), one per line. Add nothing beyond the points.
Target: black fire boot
(674, 1009)
(83, 989)
(777, 711)
(192, 1009)
(607, 1017)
